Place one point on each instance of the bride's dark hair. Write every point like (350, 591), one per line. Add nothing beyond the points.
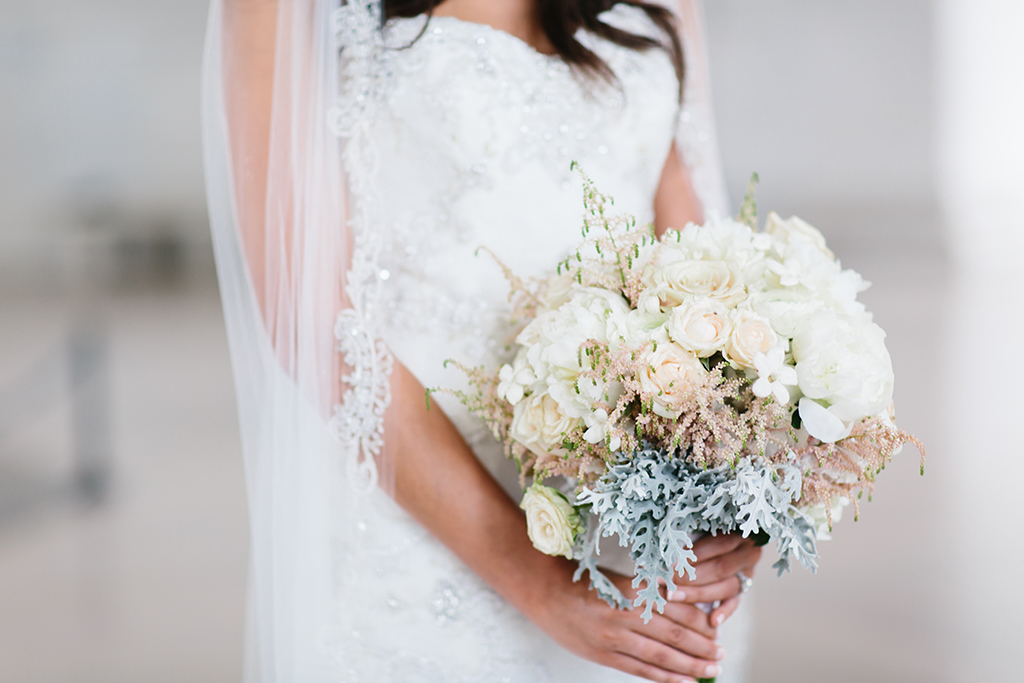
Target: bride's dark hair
(560, 20)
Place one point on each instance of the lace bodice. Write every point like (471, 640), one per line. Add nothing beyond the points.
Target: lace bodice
(475, 144)
(471, 138)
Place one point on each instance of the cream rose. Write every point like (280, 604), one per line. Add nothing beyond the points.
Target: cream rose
(680, 280)
(751, 334)
(670, 373)
(702, 327)
(540, 424)
(551, 522)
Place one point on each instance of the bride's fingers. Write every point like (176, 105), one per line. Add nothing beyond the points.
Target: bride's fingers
(723, 566)
(634, 666)
(718, 615)
(709, 547)
(690, 616)
(686, 640)
(720, 590)
(666, 658)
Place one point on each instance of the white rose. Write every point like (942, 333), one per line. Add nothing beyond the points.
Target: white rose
(669, 374)
(702, 327)
(540, 424)
(551, 522)
(842, 361)
(795, 228)
(683, 279)
(751, 334)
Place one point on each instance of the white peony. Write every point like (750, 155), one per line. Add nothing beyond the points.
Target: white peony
(720, 240)
(670, 374)
(702, 327)
(540, 424)
(843, 366)
(553, 338)
(785, 309)
(795, 229)
(551, 521)
(751, 334)
(633, 329)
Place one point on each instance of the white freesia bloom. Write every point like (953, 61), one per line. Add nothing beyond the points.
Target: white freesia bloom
(670, 374)
(515, 378)
(702, 326)
(540, 424)
(551, 522)
(598, 426)
(751, 334)
(773, 375)
(842, 362)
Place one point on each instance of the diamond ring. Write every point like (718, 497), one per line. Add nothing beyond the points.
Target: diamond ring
(745, 582)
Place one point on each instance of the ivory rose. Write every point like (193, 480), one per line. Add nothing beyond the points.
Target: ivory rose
(751, 334)
(540, 424)
(551, 522)
(681, 280)
(669, 374)
(702, 327)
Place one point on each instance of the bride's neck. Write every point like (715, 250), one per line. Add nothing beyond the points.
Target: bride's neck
(516, 17)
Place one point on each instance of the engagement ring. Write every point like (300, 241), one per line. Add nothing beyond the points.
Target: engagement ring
(745, 582)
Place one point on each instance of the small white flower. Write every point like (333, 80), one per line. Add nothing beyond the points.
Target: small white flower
(513, 380)
(773, 375)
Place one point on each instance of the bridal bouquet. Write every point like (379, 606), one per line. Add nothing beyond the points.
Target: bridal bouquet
(720, 379)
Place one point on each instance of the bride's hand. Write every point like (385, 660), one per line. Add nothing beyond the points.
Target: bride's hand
(719, 560)
(679, 645)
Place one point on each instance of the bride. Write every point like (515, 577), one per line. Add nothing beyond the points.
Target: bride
(358, 154)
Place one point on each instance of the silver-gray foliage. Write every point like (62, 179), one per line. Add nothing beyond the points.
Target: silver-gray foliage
(659, 506)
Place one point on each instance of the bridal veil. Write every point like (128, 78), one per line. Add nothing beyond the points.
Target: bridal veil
(287, 89)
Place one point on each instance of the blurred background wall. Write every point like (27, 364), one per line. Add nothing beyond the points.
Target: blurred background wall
(891, 124)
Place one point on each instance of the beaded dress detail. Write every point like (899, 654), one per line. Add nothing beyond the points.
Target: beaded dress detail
(469, 138)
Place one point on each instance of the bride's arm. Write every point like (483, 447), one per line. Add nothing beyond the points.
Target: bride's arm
(440, 482)
(675, 203)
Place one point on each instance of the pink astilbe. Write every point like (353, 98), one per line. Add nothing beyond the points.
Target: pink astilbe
(495, 412)
(609, 255)
(849, 466)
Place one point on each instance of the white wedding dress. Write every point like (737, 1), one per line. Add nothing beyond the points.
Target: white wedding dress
(471, 144)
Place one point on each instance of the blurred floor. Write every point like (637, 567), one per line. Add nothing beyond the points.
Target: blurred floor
(150, 586)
